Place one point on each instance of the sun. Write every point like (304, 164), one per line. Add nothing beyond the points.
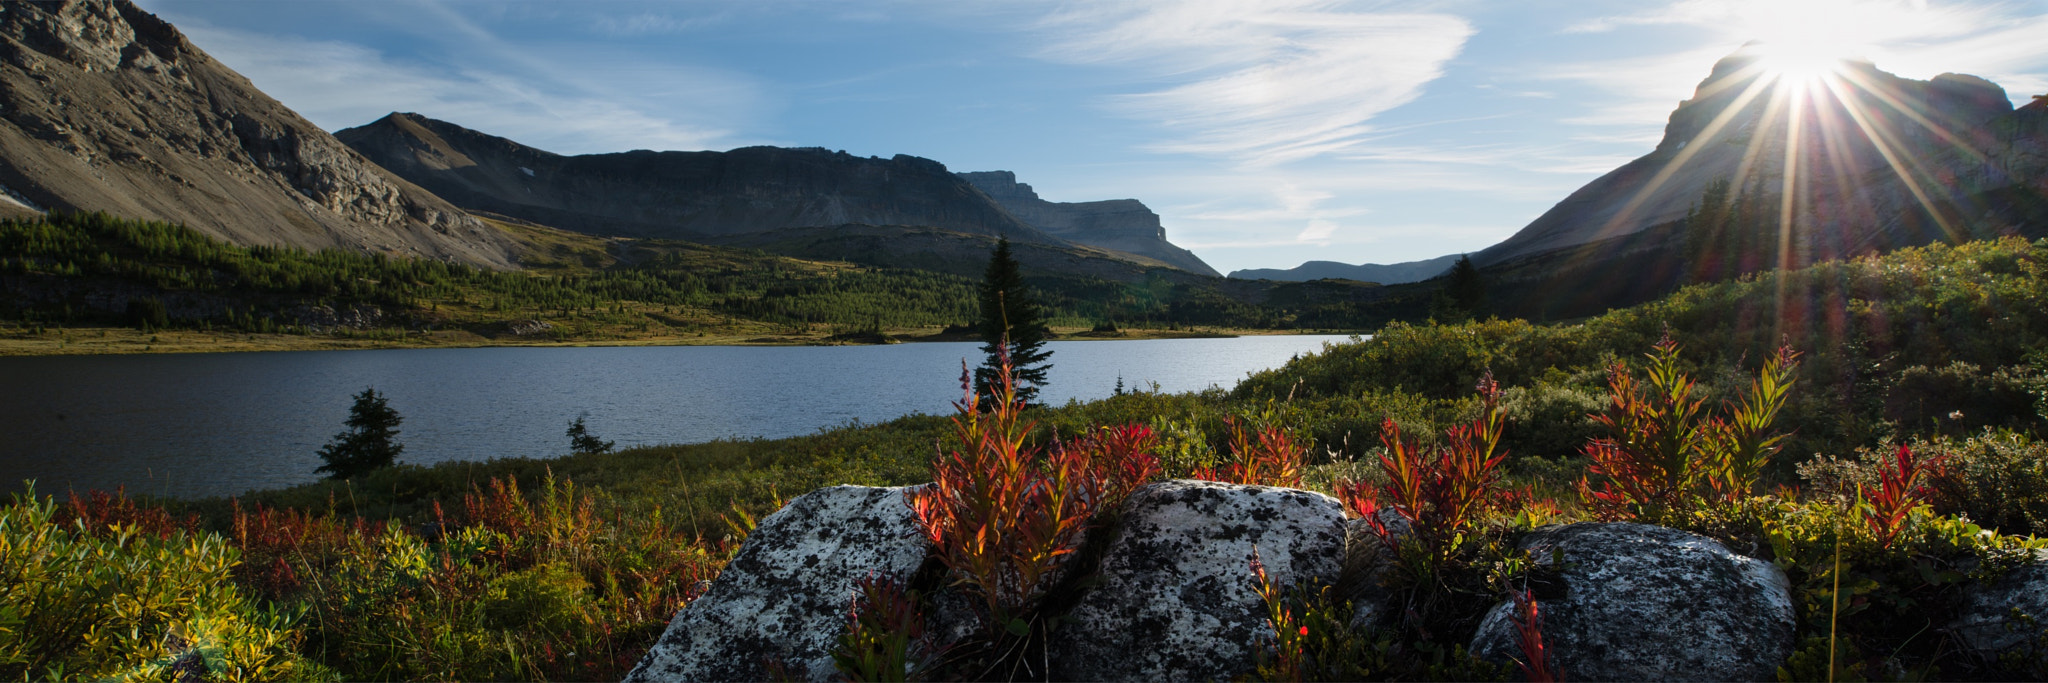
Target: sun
(1801, 41)
(1799, 63)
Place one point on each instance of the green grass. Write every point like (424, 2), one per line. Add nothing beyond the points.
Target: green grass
(1929, 346)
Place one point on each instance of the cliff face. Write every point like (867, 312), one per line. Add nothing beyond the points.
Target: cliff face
(687, 195)
(1121, 224)
(104, 107)
(1875, 163)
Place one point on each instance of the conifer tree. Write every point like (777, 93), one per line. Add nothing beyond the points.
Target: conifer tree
(1466, 289)
(582, 442)
(370, 442)
(1009, 313)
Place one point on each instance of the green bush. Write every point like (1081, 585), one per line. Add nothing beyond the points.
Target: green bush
(86, 602)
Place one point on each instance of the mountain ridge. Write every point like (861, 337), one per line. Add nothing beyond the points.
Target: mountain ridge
(109, 108)
(1125, 225)
(1386, 274)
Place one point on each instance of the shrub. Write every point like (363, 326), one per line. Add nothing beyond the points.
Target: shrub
(110, 601)
(1441, 491)
(1665, 454)
(1960, 398)
(1997, 479)
(1266, 456)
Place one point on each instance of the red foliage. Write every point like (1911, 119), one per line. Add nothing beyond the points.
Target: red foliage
(1290, 636)
(1004, 516)
(1121, 458)
(102, 511)
(281, 547)
(1665, 451)
(1440, 490)
(1902, 485)
(1536, 666)
(1275, 460)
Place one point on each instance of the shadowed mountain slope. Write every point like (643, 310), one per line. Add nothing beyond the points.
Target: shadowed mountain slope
(703, 196)
(1125, 225)
(1871, 162)
(104, 107)
(1388, 274)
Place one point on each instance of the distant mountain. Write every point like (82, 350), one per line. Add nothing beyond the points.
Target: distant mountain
(1390, 274)
(105, 107)
(1125, 225)
(1881, 162)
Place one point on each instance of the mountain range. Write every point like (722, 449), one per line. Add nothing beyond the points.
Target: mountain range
(104, 107)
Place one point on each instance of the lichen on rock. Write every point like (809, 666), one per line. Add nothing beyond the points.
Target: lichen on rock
(785, 595)
(1649, 603)
(1986, 624)
(1176, 599)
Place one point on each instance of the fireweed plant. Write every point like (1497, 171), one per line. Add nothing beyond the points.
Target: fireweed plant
(1666, 454)
(1006, 518)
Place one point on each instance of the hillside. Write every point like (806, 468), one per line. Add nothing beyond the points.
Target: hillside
(1883, 162)
(1389, 274)
(1125, 225)
(108, 108)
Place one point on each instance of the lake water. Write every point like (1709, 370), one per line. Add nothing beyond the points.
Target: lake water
(214, 424)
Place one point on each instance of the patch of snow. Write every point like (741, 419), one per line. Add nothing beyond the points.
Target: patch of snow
(528, 171)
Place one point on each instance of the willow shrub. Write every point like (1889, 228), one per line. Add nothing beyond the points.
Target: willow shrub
(87, 600)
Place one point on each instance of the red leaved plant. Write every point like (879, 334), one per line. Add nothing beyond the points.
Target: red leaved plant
(1003, 516)
(1274, 460)
(885, 638)
(1290, 635)
(1902, 486)
(1440, 490)
(1665, 452)
(1535, 662)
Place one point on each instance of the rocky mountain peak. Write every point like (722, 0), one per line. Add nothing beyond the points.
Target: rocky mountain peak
(105, 107)
(1872, 144)
(1122, 224)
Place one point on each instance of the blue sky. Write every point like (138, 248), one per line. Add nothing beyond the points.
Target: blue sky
(1264, 133)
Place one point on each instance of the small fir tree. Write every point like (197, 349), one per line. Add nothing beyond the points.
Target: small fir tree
(1010, 314)
(370, 442)
(1463, 293)
(582, 442)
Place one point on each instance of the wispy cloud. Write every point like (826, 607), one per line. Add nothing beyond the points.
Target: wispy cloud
(338, 84)
(1260, 82)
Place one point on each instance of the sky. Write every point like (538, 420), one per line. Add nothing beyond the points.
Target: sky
(1265, 133)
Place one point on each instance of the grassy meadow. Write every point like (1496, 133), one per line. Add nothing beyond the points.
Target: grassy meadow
(568, 568)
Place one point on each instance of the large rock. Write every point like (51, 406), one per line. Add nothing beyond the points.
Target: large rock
(1368, 562)
(1647, 603)
(1176, 599)
(786, 594)
(1987, 610)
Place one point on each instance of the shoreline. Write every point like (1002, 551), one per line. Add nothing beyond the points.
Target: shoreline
(113, 341)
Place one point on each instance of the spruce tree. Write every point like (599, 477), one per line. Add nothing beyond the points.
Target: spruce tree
(582, 442)
(1009, 312)
(369, 444)
(1466, 288)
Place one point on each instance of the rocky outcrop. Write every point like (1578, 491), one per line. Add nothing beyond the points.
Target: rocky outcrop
(785, 595)
(1176, 598)
(1647, 603)
(1390, 274)
(104, 107)
(1986, 625)
(1125, 225)
(1931, 166)
(687, 195)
